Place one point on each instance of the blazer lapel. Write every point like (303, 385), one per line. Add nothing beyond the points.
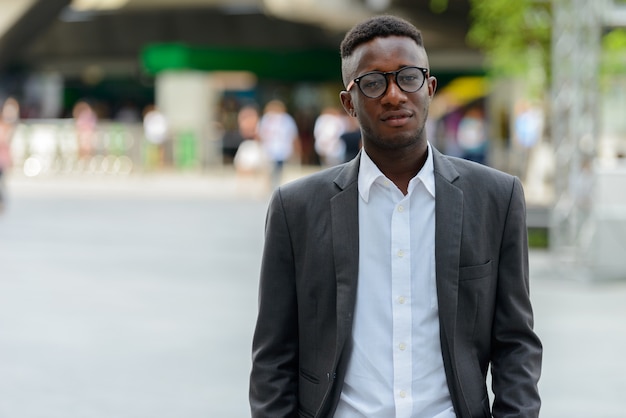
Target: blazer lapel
(448, 226)
(344, 208)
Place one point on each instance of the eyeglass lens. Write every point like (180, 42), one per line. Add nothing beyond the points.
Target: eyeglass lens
(409, 79)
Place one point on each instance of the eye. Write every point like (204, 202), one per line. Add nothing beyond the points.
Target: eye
(371, 84)
(408, 78)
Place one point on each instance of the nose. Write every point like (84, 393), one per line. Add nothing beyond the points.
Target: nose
(394, 93)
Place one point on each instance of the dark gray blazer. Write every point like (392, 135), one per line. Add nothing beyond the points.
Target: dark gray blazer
(308, 287)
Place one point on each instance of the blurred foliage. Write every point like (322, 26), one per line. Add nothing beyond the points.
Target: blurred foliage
(614, 52)
(514, 35)
(438, 6)
(538, 237)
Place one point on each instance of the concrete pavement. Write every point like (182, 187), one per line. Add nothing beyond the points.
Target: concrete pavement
(136, 298)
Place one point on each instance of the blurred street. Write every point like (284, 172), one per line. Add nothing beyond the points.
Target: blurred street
(136, 297)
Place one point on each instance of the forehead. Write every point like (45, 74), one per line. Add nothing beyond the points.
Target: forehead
(387, 54)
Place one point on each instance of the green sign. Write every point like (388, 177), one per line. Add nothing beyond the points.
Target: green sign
(296, 65)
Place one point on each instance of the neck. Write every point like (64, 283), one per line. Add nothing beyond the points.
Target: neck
(400, 166)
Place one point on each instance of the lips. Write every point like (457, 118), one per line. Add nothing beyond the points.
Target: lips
(396, 117)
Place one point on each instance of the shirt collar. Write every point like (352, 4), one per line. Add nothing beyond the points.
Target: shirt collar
(369, 173)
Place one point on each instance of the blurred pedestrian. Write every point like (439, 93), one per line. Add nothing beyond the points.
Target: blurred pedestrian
(278, 134)
(328, 128)
(156, 131)
(250, 158)
(9, 118)
(228, 124)
(85, 120)
(391, 284)
(472, 135)
(128, 113)
(352, 139)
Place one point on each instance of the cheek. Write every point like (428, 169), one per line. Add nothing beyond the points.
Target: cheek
(363, 117)
(423, 103)
(365, 111)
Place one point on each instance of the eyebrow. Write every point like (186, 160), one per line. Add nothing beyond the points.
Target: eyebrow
(388, 71)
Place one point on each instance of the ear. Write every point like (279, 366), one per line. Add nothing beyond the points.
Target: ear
(346, 102)
(432, 86)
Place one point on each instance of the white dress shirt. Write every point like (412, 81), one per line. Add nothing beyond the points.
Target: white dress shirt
(396, 367)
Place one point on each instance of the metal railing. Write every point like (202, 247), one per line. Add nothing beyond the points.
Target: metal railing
(59, 146)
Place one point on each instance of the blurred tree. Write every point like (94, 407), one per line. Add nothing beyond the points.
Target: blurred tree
(438, 6)
(516, 38)
(614, 52)
(514, 35)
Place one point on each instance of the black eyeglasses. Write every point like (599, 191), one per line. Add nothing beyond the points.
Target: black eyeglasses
(374, 84)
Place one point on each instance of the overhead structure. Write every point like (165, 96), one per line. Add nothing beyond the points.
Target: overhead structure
(21, 21)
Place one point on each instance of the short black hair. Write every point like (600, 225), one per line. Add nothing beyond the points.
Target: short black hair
(378, 27)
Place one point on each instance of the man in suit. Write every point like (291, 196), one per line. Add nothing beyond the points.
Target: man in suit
(390, 284)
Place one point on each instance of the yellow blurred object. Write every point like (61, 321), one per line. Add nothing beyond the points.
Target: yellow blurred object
(465, 89)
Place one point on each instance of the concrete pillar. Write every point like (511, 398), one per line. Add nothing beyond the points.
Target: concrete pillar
(189, 101)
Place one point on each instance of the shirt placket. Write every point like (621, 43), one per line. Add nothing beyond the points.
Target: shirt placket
(401, 307)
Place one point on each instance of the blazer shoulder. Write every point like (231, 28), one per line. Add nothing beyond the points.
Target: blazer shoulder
(473, 172)
(326, 181)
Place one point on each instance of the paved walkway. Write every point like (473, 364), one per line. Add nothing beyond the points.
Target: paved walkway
(137, 298)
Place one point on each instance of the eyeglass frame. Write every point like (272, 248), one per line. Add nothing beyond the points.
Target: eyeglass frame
(357, 81)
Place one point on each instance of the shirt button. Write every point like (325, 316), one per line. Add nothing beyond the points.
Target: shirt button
(401, 300)
(402, 394)
(400, 253)
(402, 346)
(400, 208)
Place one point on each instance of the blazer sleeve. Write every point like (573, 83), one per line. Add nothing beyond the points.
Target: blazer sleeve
(517, 351)
(273, 380)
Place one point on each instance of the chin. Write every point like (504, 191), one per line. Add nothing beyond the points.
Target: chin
(395, 139)
(403, 138)
(397, 142)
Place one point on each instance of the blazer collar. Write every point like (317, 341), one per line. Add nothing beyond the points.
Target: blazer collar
(443, 166)
(349, 174)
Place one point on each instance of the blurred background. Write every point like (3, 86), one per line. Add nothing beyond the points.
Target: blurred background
(135, 173)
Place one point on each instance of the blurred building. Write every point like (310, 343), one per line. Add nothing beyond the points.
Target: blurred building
(113, 48)
(198, 61)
